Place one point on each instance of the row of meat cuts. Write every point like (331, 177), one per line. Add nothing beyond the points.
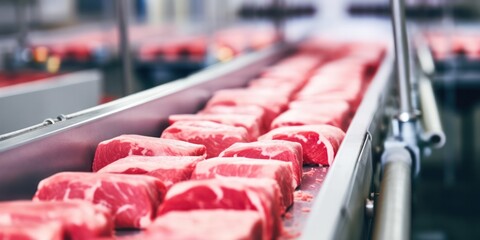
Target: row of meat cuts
(226, 172)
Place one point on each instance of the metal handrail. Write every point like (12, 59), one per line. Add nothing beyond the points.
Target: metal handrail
(392, 219)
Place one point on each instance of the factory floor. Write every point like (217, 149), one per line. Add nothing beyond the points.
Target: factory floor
(446, 203)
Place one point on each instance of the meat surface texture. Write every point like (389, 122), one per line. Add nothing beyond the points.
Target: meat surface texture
(252, 110)
(251, 123)
(215, 137)
(271, 149)
(169, 169)
(276, 170)
(268, 99)
(260, 195)
(127, 145)
(132, 199)
(74, 219)
(207, 224)
(32, 231)
(320, 143)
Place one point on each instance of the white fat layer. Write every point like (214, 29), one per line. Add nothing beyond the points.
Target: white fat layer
(299, 136)
(145, 221)
(124, 208)
(146, 164)
(328, 146)
(66, 196)
(5, 219)
(236, 183)
(90, 192)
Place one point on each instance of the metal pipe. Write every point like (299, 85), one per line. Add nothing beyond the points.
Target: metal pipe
(124, 46)
(425, 59)
(392, 219)
(433, 131)
(402, 58)
(278, 19)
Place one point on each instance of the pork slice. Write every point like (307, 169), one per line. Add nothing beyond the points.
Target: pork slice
(207, 224)
(253, 110)
(169, 169)
(284, 88)
(77, 219)
(251, 123)
(215, 137)
(32, 231)
(336, 113)
(127, 145)
(271, 149)
(132, 199)
(260, 195)
(299, 117)
(320, 143)
(277, 170)
(269, 100)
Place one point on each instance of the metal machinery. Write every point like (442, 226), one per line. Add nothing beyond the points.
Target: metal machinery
(365, 193)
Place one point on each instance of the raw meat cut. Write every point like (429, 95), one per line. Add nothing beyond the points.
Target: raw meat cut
(32, 231)
(126, 145)
(271, 149)
(253, 110)
(132, 199)
(320, 143)
(215, 136)
(169, 169)
(338, 110)
(267, 99)
(77, 219)
(207, 224)
(277, 170)
(261, 195)
(285, 88)
(251, 123)
(299, 117)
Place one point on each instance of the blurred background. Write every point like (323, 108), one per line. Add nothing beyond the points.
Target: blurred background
(59, 57)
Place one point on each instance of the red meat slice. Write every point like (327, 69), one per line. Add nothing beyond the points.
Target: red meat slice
(334, 113)
(127, 145)
(216, 224)
(271, 149)
(251, 123)
(277, 170)
(132, 199)
(215, 136)
(284, 88)
(253, 110)
(267, 99)
(260, 195)
(32, 231)
(74, 219)
(169, 169)
(299, 117)
(320, 143)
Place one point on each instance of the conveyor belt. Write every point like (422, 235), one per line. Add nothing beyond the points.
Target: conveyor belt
(338, 207)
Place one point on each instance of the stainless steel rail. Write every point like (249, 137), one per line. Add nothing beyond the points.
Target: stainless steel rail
(402, 60)
(392, 220)
(124, 46)
(433, 132)
(401, 154)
